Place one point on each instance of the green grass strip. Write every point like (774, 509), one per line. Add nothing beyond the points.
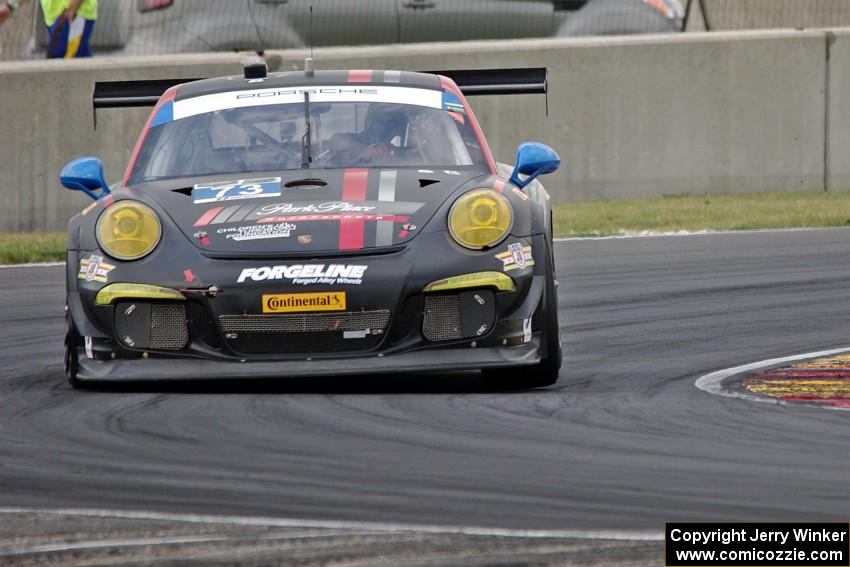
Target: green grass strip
(20, 248)
(696, 213)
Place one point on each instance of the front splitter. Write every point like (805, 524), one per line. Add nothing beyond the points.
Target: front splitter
(429, 360)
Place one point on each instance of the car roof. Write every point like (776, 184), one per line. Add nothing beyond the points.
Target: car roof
(408, 79)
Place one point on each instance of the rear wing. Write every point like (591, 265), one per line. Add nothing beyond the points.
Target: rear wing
(126, 94)
(499, 81)
(471, 82)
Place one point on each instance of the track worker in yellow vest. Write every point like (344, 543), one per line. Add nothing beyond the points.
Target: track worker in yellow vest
(70, 24)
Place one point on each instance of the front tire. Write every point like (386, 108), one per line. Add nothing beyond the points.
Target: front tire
(545, 372)
(72, 342)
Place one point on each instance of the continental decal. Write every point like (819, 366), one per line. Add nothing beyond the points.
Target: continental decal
(300, 302)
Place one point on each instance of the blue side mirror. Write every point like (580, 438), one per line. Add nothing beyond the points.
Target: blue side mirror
(533, 159)
(85, 174)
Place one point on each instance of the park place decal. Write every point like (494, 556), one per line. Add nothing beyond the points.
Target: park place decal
(516, 257)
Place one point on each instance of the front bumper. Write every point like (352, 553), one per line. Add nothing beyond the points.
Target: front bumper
(392, 282)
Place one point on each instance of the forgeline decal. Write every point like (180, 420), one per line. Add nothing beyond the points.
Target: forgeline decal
(233, 190)
(257, 231)
(94, 269)
(307, 274)
(298, 302)
(516, 257)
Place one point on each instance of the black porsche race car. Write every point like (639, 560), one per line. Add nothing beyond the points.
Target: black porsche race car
(313, 223)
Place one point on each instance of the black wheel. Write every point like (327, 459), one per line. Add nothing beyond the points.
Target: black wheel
(72, 342)
(544, 373)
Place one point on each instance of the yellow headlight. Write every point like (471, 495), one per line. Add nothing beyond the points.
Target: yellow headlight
(128, 230)
(480, 218)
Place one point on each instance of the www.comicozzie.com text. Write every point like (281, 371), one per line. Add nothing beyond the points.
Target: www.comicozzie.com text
(727, 536)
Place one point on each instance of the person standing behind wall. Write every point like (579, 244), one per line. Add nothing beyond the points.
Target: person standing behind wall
(69, 24)
(7, 8)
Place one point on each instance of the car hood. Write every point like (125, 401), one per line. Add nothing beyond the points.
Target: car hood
(306, 211)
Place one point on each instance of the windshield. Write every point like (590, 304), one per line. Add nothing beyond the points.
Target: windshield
(266, 137)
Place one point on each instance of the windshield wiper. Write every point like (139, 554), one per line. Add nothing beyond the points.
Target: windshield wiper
(306, 139)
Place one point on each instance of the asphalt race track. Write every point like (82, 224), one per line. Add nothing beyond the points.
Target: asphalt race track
(623, 441)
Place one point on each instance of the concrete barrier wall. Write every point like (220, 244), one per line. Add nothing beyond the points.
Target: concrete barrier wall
(46, 119)
(797, 14)
(632, 117)
(636, 116)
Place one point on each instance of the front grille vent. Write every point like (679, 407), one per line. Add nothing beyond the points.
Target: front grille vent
(168, 327)
(306, 322)
(442, 318)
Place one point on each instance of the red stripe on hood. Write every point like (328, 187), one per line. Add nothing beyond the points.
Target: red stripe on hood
(208, 216)
(351, 231)
(360, 76)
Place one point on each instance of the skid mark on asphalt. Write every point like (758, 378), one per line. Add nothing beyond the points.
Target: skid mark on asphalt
(816, 378)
